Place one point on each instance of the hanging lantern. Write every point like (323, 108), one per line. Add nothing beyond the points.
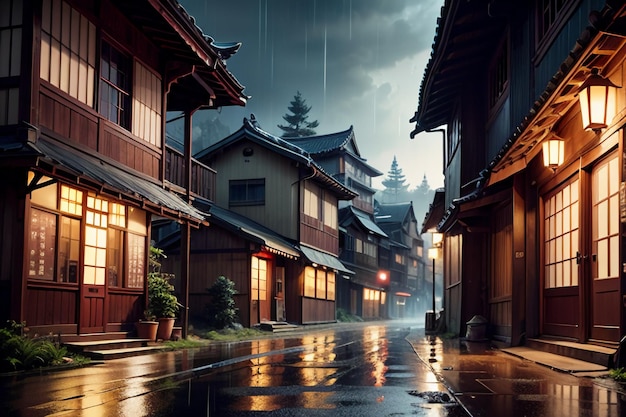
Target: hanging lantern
(553, 151)
(597, 96)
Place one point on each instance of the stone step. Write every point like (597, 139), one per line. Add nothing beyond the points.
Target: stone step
(586, 352)
(277, 326)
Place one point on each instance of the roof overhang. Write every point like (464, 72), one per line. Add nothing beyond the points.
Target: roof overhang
(435, 211)
(198, 77)
(558, 98)
(104, 177)
(324, 259)
(465, 30)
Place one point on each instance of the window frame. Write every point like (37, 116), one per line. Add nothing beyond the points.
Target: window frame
(122, 89)
(499, 75)
(252, 186)
(72, 204)
(554, 211)
(544, 37)
(313, 278)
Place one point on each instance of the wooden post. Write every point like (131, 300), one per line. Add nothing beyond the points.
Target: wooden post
(185, 229)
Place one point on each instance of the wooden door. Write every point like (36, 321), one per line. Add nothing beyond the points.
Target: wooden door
(93, 279)
(562, 261)
(604, 285)
(281, 314)
(260, 284)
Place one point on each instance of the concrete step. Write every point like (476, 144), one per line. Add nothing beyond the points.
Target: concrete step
(109, 354)
(277, 326)
(586, 352)
(110, 344)
(65, 338)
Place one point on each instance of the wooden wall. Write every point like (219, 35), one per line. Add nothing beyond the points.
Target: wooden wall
(317, 311)
(316, 234)
(51, 308)
(279, 212)
(70, 121)
(11, 244)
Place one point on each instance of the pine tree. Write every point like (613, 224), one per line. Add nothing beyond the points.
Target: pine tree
(423, 188)
(298, 125)
(422, 197)
(395, 188)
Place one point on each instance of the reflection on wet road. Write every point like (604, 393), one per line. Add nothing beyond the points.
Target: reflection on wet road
(358, 370)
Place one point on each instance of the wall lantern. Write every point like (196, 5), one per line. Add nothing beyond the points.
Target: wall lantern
(437, 238)
(597, 96)
(553, 151)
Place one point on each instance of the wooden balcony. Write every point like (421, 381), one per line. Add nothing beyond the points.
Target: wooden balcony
(202, 176)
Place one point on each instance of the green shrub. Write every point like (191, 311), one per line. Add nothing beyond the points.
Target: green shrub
(161, 299)
(20, 352)
(221, 312)
(345, 317)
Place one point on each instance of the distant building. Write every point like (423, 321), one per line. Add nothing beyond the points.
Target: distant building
(363, 293)
(407, 294)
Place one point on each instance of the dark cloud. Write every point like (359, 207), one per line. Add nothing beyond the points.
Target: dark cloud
(337, 53)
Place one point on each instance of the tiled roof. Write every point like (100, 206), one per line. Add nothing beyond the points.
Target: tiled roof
(254, 230)
(109, 178)
(392, 213)
(320, 144)
(351, 214)
(251, 130)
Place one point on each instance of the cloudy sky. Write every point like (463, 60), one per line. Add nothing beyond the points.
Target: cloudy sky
(355, 62)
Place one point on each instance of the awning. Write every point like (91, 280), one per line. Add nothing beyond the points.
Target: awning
(325, 259)
(369, 224)
(105, 177)
(267, 237)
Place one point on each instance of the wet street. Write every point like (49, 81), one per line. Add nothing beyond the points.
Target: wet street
(362, 369)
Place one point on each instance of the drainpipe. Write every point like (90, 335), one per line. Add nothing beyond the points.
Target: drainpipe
(443, 152)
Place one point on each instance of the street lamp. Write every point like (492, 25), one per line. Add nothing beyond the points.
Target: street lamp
(433, 253)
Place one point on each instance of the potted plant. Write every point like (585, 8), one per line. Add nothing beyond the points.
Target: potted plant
(162, 303)
(147, 328)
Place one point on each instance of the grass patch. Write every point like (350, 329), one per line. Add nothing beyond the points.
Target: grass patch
(229, 335)
(184, 344)
(618, 374)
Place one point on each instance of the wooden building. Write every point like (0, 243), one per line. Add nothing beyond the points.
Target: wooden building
(534, 245)
(407, 291)
(243, 251)
(364, 292)
(84, 88)
(279, 186)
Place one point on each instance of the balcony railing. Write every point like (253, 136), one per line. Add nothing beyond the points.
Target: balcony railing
(202, 176)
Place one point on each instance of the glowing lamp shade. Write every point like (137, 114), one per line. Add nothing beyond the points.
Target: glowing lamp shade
(598, 104)
(553, 152)
(433, 253)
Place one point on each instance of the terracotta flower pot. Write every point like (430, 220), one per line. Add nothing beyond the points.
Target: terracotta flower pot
(147, 330)
(166, 325)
